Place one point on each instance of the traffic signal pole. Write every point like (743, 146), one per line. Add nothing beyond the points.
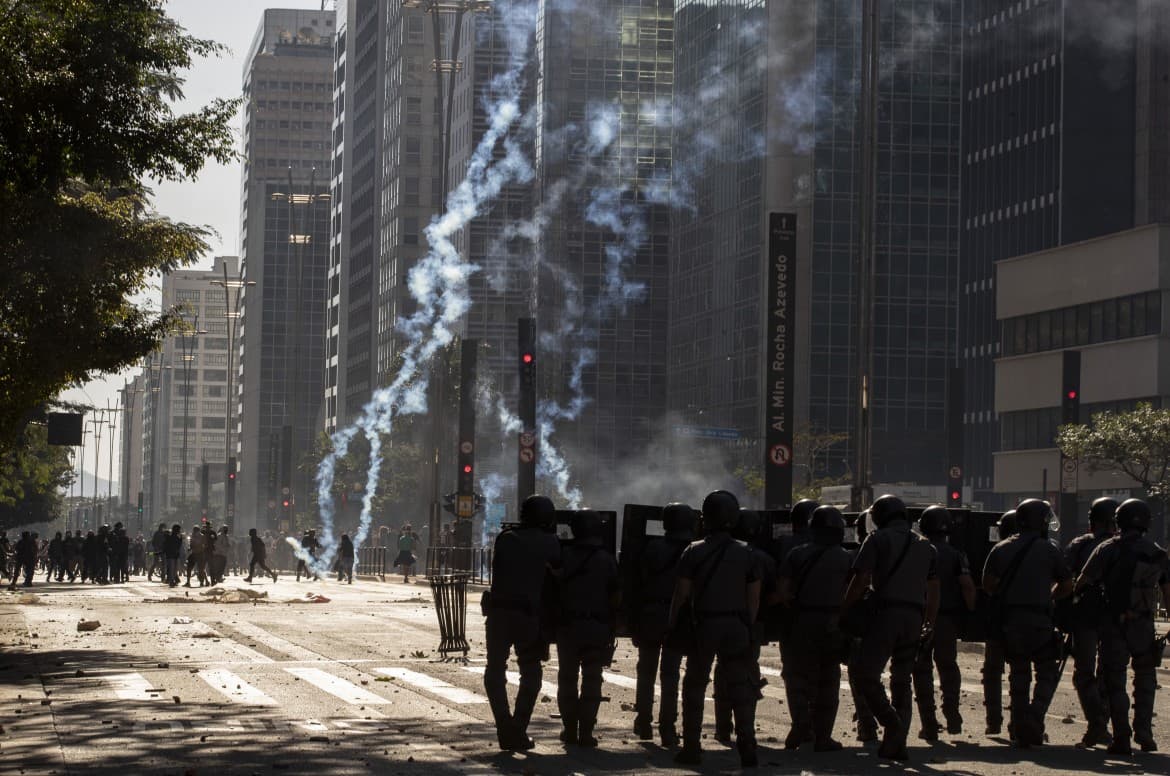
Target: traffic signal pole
(529, 436)
(465, 476)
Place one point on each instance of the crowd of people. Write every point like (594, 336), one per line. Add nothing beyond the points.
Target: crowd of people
(204, 554)
(897, 602)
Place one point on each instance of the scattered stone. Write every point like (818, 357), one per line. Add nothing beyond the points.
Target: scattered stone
(319, 739)
(181, 621)
(164, 665)
(88, 625)
(1067, 721)
(176, 699)
(79, 673)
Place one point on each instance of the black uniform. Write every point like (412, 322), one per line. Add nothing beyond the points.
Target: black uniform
(520, 562)
(942, 651)
(656, 578)
(310, 545)
(1130, 567)
(1086, 635)
(895, 633)
(157, 542)
(816, 574)
(724, 700)
(720, 570)
(1027, 633)
(259, 554)
(585, 633)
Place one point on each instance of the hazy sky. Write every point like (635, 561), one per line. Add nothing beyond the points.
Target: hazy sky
(212, 200)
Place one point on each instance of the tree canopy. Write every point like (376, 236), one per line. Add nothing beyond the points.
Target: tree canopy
(32, 475)
(87, 119)
(1136, 443)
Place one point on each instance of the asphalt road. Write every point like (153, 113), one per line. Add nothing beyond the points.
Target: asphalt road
(355, 685)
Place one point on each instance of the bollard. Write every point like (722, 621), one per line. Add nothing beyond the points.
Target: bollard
(450, 592)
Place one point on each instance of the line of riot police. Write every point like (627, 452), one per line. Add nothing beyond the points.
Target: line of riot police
(716, 585)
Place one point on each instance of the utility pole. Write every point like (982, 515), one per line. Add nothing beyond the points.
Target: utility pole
(862, 493)
(232, 316)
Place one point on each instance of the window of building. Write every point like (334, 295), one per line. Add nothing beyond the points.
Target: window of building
(1108, 320)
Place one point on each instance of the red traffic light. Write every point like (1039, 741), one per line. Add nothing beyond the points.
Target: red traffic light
(286, 502)
(527, 358)
(1072, 395)
(955, 496)
(231, 475)
(467, 468)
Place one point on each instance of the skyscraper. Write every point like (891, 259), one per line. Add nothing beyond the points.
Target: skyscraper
(288, 117)
(1063, 140)
(804, 106)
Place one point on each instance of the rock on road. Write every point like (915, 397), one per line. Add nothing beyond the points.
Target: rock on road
(355, 686)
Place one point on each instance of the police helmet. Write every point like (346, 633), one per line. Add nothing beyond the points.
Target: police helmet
(586, 527)
(720, 511)
(538, 512)
(801, 514)
(1134, 515)
(748, 525)
(886, 509)
(1102, 513)
(827, 525)
(935, 520)
(1008, 527)
(679, 521)
(1033, 515)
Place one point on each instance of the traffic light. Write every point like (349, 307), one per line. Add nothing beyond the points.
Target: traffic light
(480, 502)
(449, 503)
(1070, 388)
(955, 498)
(139, 505)
(229, 495)
(467, 381)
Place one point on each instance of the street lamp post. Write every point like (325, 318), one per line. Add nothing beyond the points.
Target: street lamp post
(98, 423)
(110, 456)
(231, 316)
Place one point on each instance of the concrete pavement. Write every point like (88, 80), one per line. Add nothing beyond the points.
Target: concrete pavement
(355, 686)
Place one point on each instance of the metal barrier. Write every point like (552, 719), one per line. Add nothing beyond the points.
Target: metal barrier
(372, 562)
(450, 591)
(473, 562)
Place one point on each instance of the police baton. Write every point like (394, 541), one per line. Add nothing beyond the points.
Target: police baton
(1066, 649)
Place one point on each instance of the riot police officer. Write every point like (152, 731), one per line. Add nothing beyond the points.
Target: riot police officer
(1083, 619)
(941, 649)
(522, 559)
(795, 687)
(812, 582)
(1026, 574)
(746, 531)
(657, 573)
(719, 579)
(993, 660)
(589, 597)
(898, 566)
(1130, 567)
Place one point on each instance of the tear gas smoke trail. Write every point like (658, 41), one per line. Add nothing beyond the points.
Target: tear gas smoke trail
(439, 281)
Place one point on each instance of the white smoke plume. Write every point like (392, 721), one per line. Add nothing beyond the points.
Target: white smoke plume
(439, 281)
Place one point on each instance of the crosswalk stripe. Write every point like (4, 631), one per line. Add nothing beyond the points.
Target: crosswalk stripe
(336, 686)
(625, 681)
(432, 685)
(548, 688)
(274, 642)
(131, 687)
(234, 688)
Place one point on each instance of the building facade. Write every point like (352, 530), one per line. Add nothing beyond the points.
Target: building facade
(1106, 298)
(132, 400)
(288, 117)
(804, 105)
(1061, 144)
(184, 398)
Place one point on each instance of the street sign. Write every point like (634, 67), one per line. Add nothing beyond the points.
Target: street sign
(956, 473)
(1068, 475)
(465, 506)
(527, 455)
(780, 455)
(527, 439)
(466, 448)
(706, 432)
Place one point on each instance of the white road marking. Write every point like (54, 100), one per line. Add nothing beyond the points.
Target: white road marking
(336, 686)
(274, 642)
(625, 681)
(432, 685)
(131, 687)
(548, 688)
(234, 688)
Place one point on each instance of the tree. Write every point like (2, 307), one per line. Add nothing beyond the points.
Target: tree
(398, 480)
(32, 476)
(1136, 443)
(813, 447)
(87, 89)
